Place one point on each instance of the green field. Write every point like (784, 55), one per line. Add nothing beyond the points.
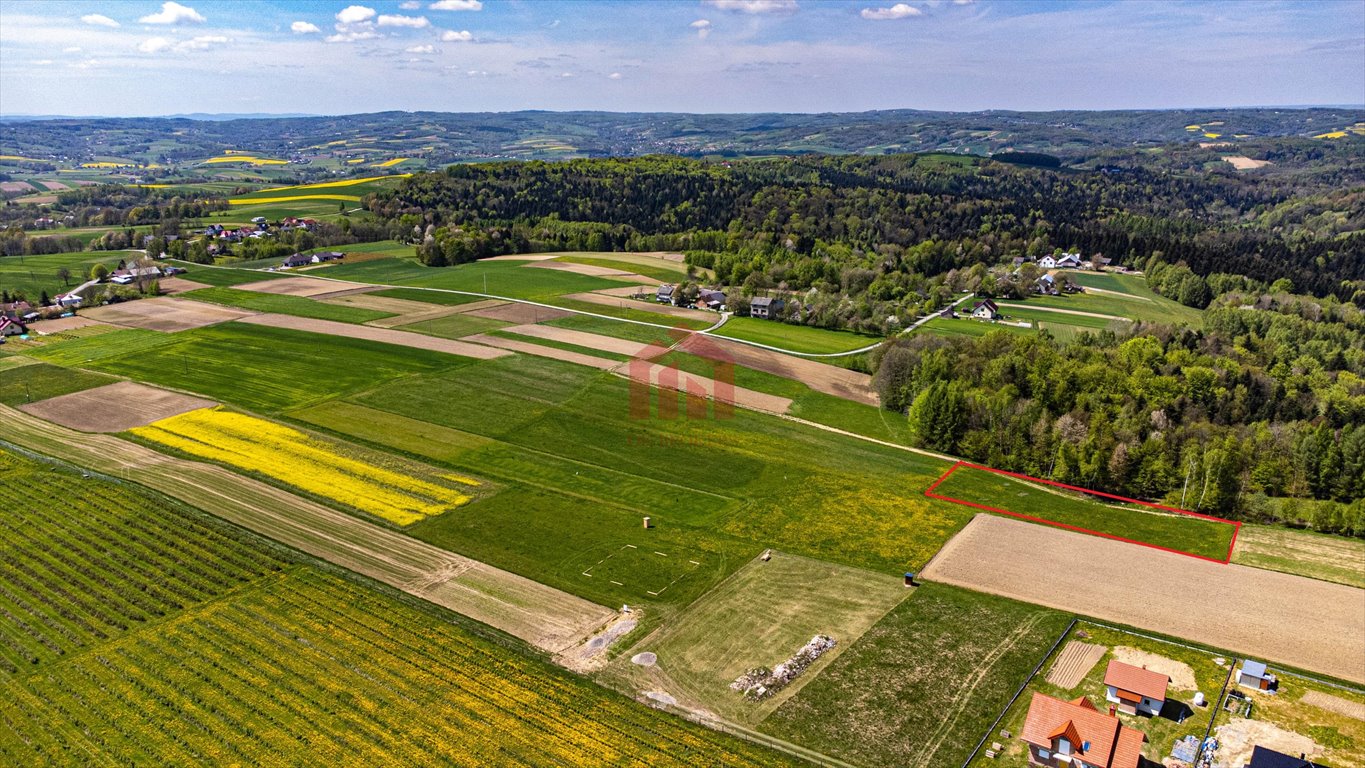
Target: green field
(645, 334)
(271, 369)
(1043, 317)
(640, 264)
(498, 278)
(1206, 538)
(430, 297)
(285, 305)
(921, 686)
(224, 276)
(579, 473)
(965, 326)
(31, 275)
(31, 383)
(80, 349)
(629, 309)
(1315, 555)
(1137, 302)
(186, 644)
(795, 338)
(456, 326)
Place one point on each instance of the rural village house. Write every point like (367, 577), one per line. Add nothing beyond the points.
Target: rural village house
(11, 327)
(665, 294)
(986, 310)
(1136, 690)
(709, 298)
(1061, 261)
(1073, 734)
(298, 260)
(764, 307)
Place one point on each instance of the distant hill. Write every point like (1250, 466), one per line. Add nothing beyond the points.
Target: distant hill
(444, 137)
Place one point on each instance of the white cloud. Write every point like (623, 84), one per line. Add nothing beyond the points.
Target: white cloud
(42, 62)
(200, 43)
(754, 6)
(451, 36)
(963, 2)
(351, 36)
(614, 76)
(410, 5)
(702, 26)
(87, 64)
(354, 14)
(72, 49)
(154, 45)
(99, 20)
(173, 13)
(398, 20)
(304, 28)
(565, 74)
(897, 11)
(476, 73)
(456, 5)
(423, 49)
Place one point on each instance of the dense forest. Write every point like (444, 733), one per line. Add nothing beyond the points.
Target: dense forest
(1263, 407)
(874, 233)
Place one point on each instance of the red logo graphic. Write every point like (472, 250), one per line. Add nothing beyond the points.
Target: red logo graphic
(649, 378)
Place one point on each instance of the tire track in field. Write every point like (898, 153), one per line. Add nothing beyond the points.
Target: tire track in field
(964, 695)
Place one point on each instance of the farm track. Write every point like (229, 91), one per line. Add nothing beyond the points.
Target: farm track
(542, 616)
(1310, 624)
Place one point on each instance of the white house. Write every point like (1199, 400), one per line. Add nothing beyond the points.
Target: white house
(1135, 690)
(1069, 261)
(986, 310)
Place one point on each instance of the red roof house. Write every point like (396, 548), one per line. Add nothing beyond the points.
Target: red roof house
(1073, 734)
(1136, 690)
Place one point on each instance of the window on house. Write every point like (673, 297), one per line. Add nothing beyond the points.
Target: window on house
(1063, 747)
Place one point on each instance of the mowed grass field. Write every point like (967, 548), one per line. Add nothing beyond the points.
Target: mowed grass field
(1133, 300)
(1316, 555)
(184, 644)
(795, 338)
(756, 618)
(21, 384)
(922, 685)
(1182, 533)
(499, 278)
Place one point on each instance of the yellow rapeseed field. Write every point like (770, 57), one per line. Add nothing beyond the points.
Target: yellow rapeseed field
(309, 463)
(252, 159)
(342, 183)
(294, 198)
(390, 162)
(106, 165)
(18, 157)
(1331, 135)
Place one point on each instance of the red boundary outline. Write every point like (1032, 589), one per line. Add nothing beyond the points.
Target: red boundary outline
(1236, 525)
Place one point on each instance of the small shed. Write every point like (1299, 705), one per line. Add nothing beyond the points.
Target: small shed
(1253, 674)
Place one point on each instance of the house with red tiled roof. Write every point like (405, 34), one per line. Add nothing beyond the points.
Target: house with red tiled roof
(1136, 690)
(1073, 734)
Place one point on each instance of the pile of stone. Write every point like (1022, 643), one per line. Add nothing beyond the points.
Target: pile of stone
(761, 682)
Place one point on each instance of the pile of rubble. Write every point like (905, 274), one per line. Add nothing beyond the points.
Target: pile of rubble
(761, 682)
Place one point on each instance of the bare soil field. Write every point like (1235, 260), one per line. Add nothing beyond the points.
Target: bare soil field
(1334, 704)
(379, 303)
(305, 286)
(589, 340)
(173, 285)
(1074, 663)
(592, 270)
(821, 377)
(54, 186)
(1245, 163)
(63, 324)
(16, 186)
(114, 407)
(1239, 738)
(516, 312)
(386, 335)
(1061, 311)
(166, 314)
(531, 348)
(701, 386)
(542, 616)
(525, 257)
(597, 297)
(1310, 624)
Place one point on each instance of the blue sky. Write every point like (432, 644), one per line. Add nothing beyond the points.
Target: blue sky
(136, 57)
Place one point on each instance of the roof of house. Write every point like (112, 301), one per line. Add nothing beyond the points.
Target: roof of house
(1139, 680)
(1099, 738)
(764, 301)
(1253, 668)
(1262, 757)
(986, 303)
(666, 288)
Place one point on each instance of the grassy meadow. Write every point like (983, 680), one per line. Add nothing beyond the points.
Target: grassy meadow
(795, 338)
(285, 305)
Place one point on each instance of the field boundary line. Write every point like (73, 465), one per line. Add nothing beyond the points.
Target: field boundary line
(1236, 524)
(1022, 687)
